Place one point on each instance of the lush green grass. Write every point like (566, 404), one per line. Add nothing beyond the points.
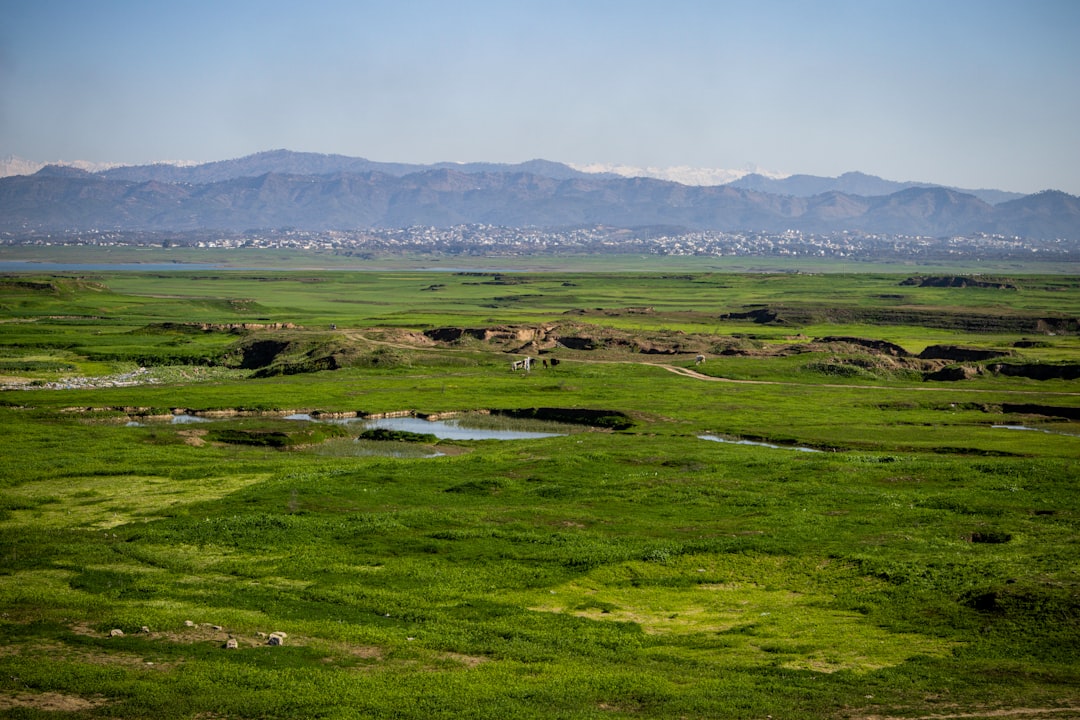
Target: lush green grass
(926, 563)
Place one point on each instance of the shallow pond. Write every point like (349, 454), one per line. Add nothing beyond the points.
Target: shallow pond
(451, 429)
(442, 429)
(733, 441)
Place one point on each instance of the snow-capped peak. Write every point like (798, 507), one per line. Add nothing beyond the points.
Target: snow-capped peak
(683, 174)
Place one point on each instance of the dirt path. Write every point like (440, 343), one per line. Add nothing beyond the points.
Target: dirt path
(695, 375)
(687, 372)
(1063, 713)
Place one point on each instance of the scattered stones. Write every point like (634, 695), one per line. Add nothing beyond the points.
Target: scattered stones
(116, 632)
(232, 644)
(136, 377)
(144, 629)
(215, 627)
(277, 638)
(189, 623)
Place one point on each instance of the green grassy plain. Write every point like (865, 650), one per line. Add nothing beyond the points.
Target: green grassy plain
(923, 562)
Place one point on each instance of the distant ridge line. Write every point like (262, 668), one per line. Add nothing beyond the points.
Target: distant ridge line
(284, 189)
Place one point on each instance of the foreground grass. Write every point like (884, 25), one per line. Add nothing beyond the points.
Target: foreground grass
(925, 564)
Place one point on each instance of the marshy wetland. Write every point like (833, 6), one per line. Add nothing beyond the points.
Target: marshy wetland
(923, 561)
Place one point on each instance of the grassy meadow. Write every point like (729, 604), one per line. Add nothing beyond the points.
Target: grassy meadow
(801, 525)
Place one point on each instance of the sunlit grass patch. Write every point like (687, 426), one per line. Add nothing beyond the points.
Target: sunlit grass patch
(42, 589)
(746, 611)
(106, 501)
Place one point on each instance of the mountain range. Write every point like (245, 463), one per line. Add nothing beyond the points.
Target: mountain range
(279, 189)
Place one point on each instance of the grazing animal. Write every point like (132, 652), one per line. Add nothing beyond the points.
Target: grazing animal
(699, 359)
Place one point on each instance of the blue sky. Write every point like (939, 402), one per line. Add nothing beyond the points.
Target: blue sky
(973, 93)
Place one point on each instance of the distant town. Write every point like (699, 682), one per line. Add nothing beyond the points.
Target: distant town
(491, 240)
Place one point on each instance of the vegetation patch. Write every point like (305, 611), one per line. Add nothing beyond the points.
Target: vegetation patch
(733, 607)
(641, 572)
(278, 435)
(387, 435)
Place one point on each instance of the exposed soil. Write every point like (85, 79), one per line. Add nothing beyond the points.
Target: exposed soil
(466, 660)
(193, 437)
(1062, 713)
(50, 702)
(544, 338)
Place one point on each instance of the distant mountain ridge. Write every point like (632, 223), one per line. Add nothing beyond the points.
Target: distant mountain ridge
(287, 162)
(304, 163)
(280, 189)
(853, 183)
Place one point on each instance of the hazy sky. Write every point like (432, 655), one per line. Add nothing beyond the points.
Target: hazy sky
(973, 93)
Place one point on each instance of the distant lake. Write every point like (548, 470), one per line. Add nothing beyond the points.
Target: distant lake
(10, 266)
(31, 266)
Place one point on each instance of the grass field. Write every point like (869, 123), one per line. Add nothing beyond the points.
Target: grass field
(903, 541)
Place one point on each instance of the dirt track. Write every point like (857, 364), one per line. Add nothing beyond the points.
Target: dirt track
(687, 372)
(695, 375)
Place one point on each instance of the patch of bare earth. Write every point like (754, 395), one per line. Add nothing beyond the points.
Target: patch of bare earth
(197, 633)
(50, 701)
(65, 652)
(364, 652)
(1061, 713)
(397, 335)
(466, 660)
(193, 437)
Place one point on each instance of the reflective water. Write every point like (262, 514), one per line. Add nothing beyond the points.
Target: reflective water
(450, 430)
(34, 266)
(442, 429)
(717, 438)
(185, 419)
(1035, 429)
